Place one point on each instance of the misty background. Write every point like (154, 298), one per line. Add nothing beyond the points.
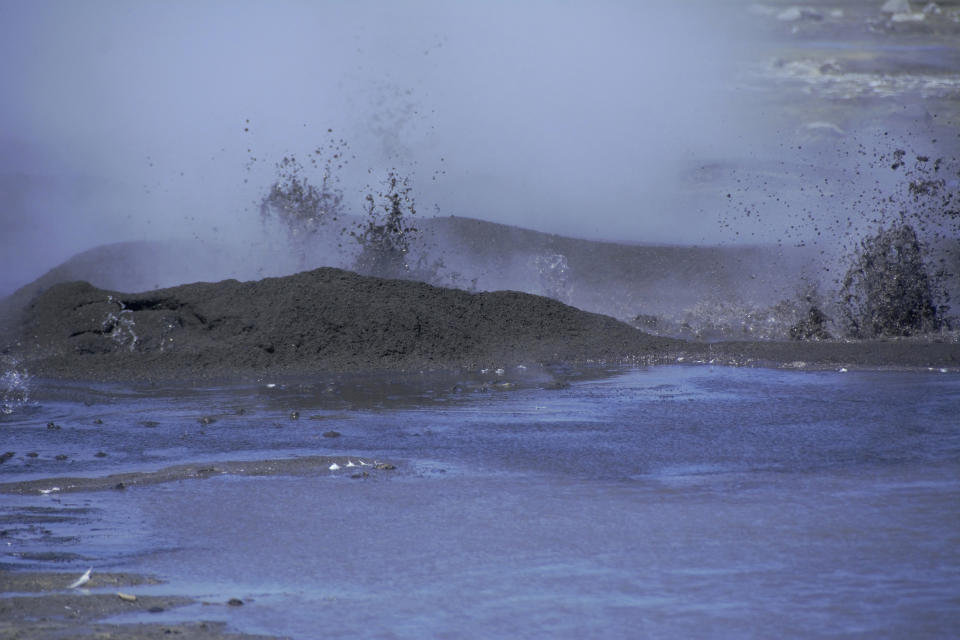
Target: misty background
(164, 119)
(696, 122)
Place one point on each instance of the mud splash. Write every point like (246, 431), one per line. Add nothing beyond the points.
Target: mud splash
(14, 385)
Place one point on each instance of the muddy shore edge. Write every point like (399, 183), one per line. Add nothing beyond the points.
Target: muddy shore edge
(41, 606)
(354, 467)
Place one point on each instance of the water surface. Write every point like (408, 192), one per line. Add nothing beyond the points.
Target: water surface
(664, 502)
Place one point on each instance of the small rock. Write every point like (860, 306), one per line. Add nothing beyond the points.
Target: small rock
(119, 486)
(53, 426)
(385, 466)
(61, 457)
(33, 454)
(6, 456)
(100, 454)
(98, 421)
(331, 434)
(235, 602)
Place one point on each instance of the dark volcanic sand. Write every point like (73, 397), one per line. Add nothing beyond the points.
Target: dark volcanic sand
(330, 320)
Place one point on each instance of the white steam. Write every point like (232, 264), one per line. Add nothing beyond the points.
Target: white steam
(128, 121)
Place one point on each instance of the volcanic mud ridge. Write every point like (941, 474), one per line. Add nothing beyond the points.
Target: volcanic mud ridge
(321, 320)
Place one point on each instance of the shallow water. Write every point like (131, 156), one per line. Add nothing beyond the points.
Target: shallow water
(664, 502)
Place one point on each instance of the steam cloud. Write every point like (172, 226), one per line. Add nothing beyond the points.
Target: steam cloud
(127, 121)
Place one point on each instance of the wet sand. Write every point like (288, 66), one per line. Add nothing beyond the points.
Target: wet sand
(40, 606)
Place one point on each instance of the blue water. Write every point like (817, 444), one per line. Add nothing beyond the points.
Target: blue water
(665, 502)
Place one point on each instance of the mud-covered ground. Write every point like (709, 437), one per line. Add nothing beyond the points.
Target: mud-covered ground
(329, 320)
(325, 320)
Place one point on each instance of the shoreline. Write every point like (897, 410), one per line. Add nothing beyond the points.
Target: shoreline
(896, 354)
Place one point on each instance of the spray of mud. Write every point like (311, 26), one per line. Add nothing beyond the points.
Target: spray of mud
(14, 385)
(303, 209)
(309, 206)
(880, 222)
(882, 259)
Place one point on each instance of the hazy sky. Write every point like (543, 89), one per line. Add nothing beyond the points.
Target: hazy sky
(126, 119)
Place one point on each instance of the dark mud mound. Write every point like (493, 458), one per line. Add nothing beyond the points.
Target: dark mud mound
(604, 277)
(316, 321)
(134, 266)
